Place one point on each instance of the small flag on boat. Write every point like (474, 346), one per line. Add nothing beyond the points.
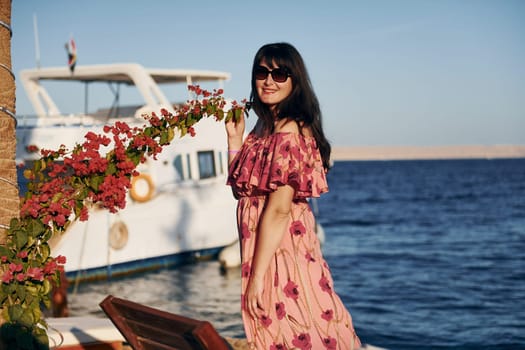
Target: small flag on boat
(71, 49)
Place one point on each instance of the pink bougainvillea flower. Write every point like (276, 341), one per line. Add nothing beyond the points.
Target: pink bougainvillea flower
(22, 254)
(15, 267)
(84, 214)
(7, 277)
(35, 273)
(20, 277)
(31, 148)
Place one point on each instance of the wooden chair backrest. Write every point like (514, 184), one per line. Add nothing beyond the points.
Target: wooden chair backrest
(147, 328)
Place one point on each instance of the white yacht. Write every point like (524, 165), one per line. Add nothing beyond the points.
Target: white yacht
(179, 208)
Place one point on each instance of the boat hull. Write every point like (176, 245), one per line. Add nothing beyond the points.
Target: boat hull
(184, 212)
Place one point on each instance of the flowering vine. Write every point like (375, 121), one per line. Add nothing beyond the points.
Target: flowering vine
(63, 185)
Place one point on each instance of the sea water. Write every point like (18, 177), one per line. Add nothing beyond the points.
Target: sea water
(425, 254)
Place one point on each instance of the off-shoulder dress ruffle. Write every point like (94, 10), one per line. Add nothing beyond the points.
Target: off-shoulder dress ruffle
(283, 158)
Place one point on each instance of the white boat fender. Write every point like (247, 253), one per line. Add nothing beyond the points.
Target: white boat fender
(320, 233)
(142, 188)
(118, 235)
(230, 256)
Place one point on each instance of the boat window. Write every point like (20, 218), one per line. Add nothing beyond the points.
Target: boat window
(221, 166)
(206, 164)
(188, 164)
(177, 164)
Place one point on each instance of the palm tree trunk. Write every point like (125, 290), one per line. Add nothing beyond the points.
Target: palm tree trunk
(9, 201)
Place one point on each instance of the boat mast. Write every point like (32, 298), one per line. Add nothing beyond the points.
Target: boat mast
(37, 45)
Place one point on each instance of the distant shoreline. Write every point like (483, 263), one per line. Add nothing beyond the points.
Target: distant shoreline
(427, 152)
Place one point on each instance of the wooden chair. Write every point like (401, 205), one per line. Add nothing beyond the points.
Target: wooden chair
(146, 328)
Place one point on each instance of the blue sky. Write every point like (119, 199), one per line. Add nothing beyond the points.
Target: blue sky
(405, 72)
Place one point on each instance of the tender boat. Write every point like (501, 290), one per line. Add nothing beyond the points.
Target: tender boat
(179, 208)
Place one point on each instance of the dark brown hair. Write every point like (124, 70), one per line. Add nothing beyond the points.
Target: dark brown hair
(301, 105)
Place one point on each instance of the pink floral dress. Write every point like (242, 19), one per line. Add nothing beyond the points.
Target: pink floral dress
(304, 312)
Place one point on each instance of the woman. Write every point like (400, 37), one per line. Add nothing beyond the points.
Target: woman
(287, 297)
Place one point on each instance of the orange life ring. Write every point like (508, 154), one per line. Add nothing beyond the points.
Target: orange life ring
(142, 188)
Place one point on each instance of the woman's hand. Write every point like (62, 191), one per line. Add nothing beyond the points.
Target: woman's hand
(235, 131)
(253, 298)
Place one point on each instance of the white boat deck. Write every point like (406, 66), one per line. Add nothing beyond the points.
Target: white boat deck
(70, 332)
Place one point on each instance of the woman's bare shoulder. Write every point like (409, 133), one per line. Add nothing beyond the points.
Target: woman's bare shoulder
(291, 126)
(286, 125)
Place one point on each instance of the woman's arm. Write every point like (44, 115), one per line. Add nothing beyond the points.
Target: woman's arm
(272, 228)
(235, 132)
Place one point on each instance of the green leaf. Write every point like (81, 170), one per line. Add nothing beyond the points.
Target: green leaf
(148, 131)
(47, 302)
(35, 228)
(47, 286)
(15, 312)
(37, 166)
(57, 197)
(237, 115)
(47, 235)
(21, 292)
(229, 115)
(164, 138)
(96, 181)
(5, 315)
(111, 169)
(45, 251)
(20, 239)
(15, 223)
(11, 288)
(27, 318)
(220, 114)
(24, 339)
(41, 338)
(4, 251)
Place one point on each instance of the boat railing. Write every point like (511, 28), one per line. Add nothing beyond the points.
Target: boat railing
(28, 121)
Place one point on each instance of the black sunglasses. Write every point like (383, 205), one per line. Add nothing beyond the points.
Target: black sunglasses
(279, 75)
